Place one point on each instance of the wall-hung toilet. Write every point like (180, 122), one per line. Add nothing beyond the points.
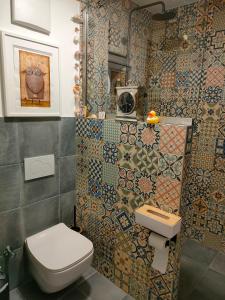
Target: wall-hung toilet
(58, 256)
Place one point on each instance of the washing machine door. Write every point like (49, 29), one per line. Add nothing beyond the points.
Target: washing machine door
(126, 103)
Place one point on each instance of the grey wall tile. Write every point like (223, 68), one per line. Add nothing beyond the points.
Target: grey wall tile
(16, 268)
(29, 207)
(41, 188)
(9, 144)
(10, 185)
(41, 215)
(67, 174)
(67, 202)
(11, 229)
(67, 136)
(38, 138)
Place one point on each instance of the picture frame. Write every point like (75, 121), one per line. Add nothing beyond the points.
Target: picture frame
(30, 77)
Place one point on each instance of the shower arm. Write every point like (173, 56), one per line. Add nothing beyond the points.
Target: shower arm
(129, 28)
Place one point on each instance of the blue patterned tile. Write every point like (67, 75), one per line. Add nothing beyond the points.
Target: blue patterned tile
(212, 94)
(110, 153)
(95, 169)
(183, 79)
(124, 221)
(111, 131)
(94, 188)
(110, 174)
(80, 145)
(82, 127)
(95, 129)
(109, 195)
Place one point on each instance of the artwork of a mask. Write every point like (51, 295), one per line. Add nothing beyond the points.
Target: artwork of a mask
(35, 83)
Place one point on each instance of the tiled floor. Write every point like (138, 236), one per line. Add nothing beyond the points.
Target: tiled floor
(202, 273)
(202, 278)
(92, 286)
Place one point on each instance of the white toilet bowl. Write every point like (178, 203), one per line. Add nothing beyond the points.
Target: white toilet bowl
(58, 256)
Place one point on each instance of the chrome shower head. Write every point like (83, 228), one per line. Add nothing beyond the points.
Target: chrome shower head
(164, 16)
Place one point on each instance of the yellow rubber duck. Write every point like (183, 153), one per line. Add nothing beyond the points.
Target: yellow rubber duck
(152, 118)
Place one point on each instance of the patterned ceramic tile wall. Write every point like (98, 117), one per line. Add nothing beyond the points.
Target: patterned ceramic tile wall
(108, 32)
(118, 171)
(181, 82)
(192, 84)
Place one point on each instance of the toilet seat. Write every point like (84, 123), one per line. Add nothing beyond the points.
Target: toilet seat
(59, 248)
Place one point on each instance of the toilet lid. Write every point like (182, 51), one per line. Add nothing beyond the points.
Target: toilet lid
(59, 247)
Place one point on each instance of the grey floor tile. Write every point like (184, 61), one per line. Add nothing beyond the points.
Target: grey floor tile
(196, 295)
(198, 253)
(16, 295)
(97, 287)
(218, 264)
(9, 150)
(75, 294)
(31, 291)
(210, 287)
(10, 184)
(128, 297)
(191, 272)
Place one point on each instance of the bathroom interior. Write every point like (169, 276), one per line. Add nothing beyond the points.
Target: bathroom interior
(112, 150)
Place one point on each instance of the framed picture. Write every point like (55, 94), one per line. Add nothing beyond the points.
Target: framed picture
(30, 77)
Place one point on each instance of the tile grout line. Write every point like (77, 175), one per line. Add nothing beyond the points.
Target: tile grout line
(31, 204)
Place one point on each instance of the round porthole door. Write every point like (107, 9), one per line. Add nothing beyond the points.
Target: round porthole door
(126, 103)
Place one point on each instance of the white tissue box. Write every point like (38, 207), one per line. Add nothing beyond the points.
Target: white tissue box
(159, 221)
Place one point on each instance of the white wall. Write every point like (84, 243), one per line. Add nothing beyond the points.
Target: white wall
(62, 33)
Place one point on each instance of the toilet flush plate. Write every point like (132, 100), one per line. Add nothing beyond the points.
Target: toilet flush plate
(39, 166)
